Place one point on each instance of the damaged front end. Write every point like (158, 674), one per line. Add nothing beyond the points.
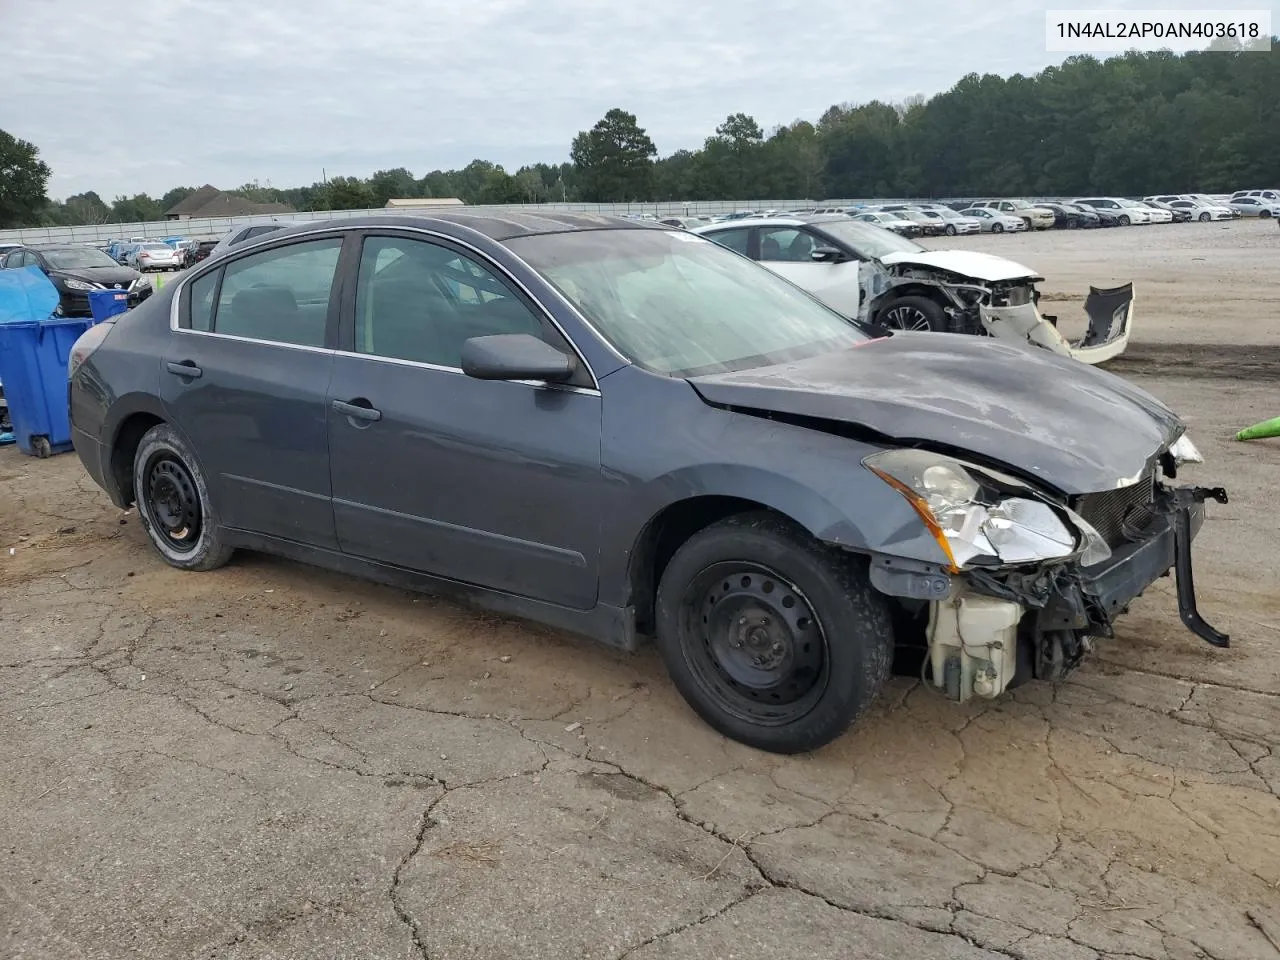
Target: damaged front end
(1005, 306)
(1029, 583)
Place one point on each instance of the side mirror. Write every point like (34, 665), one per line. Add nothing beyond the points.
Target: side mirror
(515, 356)
(827, 255)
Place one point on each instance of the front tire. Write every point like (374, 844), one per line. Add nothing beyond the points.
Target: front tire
(951, 229)
(913, 314)
(997, 228)
(1124, 220)
(1264, 215)
(774, 639)
(1205, 217)
(173, 502)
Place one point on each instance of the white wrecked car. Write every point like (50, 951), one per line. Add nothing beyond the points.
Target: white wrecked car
(872, 274)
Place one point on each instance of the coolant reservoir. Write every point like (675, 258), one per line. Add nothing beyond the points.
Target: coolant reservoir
(973, 645)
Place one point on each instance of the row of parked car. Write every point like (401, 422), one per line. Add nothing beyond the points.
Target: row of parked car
(920, 218)
(172, 253)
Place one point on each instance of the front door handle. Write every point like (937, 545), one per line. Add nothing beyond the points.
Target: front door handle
(357, 409)
(184, 369)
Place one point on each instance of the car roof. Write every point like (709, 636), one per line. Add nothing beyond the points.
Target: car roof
(788, 221)
(504, 225)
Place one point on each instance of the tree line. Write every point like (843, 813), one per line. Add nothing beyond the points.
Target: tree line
(1130, 125)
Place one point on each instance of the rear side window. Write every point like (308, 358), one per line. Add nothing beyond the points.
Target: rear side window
(281, 295)
(202, 301)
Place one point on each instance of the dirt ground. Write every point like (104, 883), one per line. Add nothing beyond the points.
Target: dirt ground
(274, 762)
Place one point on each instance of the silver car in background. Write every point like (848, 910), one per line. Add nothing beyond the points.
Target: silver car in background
(956, 223)
(154, 256)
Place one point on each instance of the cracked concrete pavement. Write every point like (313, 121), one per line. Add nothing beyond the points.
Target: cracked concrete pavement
(271, 761)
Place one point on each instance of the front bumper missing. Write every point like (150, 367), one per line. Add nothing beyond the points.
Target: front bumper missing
(1055, 608)
(1083, 602)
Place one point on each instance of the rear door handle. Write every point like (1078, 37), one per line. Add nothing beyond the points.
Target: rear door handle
(184, 369)
(358, 409)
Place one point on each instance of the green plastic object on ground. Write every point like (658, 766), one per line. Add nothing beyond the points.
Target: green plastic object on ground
(1260, 431)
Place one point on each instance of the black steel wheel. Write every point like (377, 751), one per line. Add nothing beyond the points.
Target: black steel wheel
(919, 314)
(173, 502)
(775, 639)
(756, 644)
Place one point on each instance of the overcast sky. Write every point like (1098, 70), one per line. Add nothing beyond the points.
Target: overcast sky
(189, 92)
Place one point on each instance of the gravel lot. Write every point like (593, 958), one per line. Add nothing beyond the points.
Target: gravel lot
(272, 761)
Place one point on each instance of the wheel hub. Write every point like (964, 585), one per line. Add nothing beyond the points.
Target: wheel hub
(174, 502)
(760, 643)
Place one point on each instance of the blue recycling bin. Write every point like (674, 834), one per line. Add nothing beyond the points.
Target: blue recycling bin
(33, 368)
(105, 304)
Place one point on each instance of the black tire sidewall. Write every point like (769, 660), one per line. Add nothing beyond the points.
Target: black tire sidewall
(853, 617)
(933, 313)
(209, 551)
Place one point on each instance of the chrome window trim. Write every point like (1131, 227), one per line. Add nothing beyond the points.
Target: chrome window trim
(269, 343)
(439, 368)
(380, 230)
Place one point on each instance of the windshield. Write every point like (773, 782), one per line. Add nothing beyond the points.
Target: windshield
(75, 258)
(868, 240)
(681, 305)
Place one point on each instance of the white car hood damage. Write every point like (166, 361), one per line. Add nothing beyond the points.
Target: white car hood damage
(966, 263)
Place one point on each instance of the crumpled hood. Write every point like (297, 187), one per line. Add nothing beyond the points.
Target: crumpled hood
(967, 263)
(1075, 428)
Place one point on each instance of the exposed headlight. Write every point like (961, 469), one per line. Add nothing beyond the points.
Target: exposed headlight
(975, 513)
(140, 282)
(1184, 451)
(71, 283)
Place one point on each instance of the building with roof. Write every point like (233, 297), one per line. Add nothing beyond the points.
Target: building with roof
(209, 201)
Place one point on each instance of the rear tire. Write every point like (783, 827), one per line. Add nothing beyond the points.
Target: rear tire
(173, 502)
(775, 640)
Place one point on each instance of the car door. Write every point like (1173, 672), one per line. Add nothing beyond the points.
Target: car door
(246, 376)
(494, 483)
(787, 251)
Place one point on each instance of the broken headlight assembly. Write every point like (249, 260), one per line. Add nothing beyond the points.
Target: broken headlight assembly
(1184, 451)
(983, 518)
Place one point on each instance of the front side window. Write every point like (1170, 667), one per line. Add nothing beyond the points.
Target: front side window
(420, 301)
(281, 295)
(680, 306)
(786, 244)
(735, 240)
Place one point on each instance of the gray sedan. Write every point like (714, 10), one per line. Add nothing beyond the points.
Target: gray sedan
(626, 430)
